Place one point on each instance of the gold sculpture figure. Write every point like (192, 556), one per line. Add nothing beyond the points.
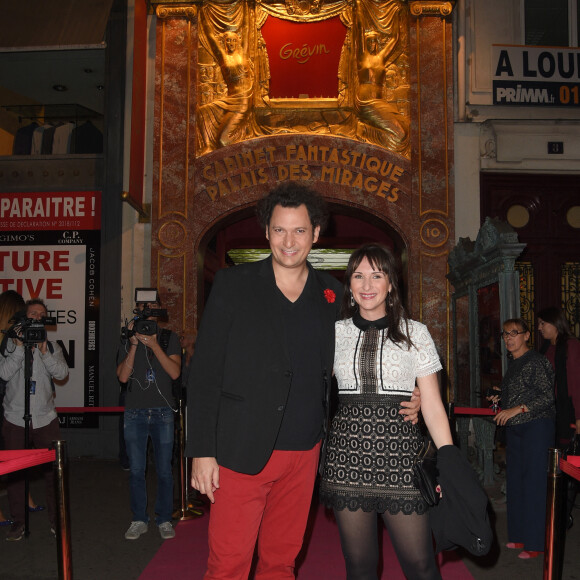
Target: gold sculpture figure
(219, 120)
(375, 53)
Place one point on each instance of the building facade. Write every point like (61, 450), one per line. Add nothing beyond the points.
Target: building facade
(416, 120)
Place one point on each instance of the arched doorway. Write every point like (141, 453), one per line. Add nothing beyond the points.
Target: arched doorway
(239, 238)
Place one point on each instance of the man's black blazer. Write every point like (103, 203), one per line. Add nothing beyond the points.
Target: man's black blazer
(240, 376)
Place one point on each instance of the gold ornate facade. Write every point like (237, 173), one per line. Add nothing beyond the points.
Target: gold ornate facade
(376, 144)
(371, 103)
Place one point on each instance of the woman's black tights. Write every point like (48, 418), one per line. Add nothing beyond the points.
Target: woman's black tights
(410, 535)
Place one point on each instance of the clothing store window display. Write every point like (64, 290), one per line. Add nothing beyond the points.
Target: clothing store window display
(259, 392)
(149, 369)
(562, 349)
(380, 355)
(528, 414)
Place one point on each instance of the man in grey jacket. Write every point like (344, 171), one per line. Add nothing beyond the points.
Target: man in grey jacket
(48, 363)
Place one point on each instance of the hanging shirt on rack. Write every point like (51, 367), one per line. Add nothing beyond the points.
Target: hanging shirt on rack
(23, 139)
(47, 138)
(87, 138)
(62, 139)
(37, 140)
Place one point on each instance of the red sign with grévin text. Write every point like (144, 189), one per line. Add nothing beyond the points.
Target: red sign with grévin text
(304, 57)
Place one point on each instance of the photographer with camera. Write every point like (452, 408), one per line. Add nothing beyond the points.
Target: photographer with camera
(150, 361)
(48, 363)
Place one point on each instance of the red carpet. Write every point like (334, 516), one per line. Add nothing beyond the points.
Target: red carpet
(186, 555)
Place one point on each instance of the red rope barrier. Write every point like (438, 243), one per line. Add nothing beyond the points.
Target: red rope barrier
(16, 459)
(480, 411)
(472, 411)
(571, 466)
(90, 409)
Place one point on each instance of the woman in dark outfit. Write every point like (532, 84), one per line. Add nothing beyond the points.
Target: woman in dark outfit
(527, 395)
(380, 354)
(562, 349)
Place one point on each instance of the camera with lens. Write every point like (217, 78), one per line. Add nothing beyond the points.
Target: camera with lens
(141, 322)
(28, 330)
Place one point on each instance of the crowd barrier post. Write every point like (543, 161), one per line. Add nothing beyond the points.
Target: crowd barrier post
(28, 361)
(450, 411)
(186, 512)
(555, 518)
(63, 540)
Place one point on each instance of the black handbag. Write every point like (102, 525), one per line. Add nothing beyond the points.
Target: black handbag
(425, 472)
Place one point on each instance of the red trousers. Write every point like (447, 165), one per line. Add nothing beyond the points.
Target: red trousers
(272, 507)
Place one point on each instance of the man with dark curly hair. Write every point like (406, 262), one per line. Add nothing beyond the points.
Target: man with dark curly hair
(259, 389)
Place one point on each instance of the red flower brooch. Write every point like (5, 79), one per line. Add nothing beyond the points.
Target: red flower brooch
(329, 295)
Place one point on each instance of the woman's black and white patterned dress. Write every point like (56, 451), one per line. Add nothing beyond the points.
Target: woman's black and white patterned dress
(370, 447)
